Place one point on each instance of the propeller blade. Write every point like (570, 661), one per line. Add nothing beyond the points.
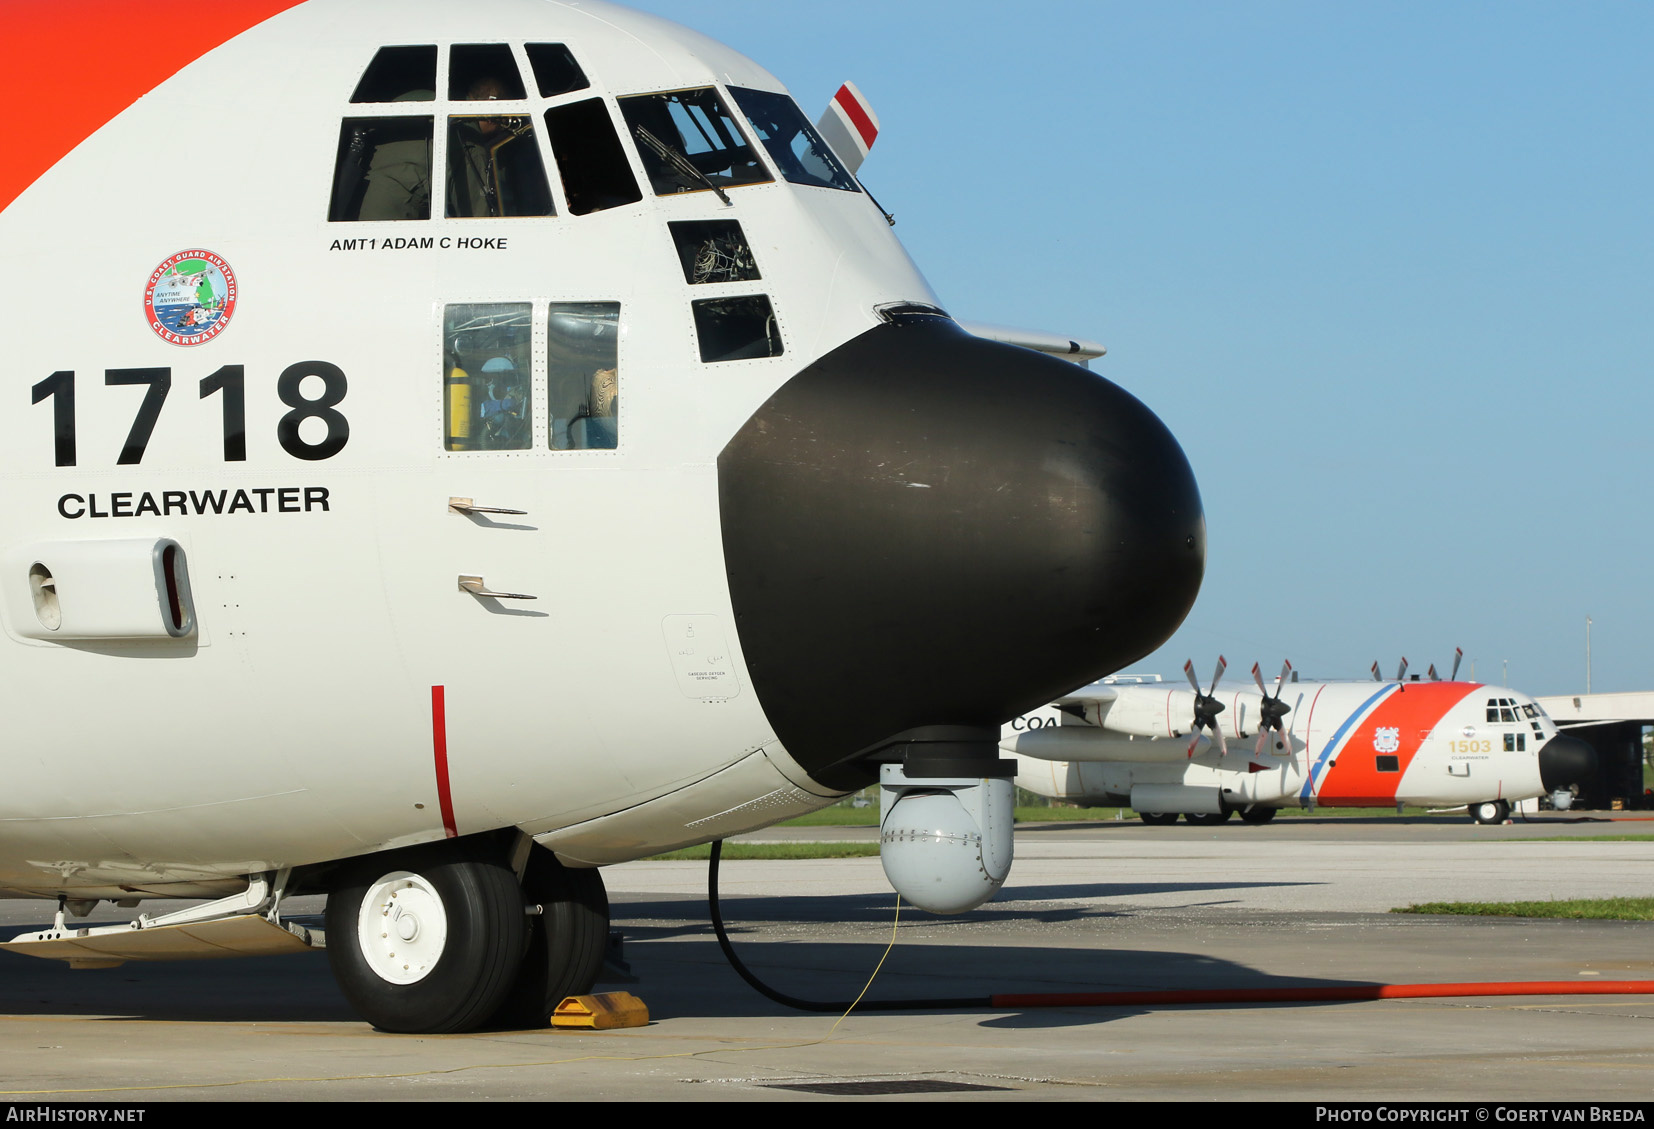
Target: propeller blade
(1377, 677)
(1458, 657)
(1189, 669)
(1257, 676)
(1286, 672)
(1401, 673)
(1223, 665)
(1431, 674)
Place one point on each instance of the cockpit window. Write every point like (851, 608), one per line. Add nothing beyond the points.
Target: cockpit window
(383, 171)
(590, 159)
(713, 251)
(736, 329)
(487, 376)
(555, 71)
(399, 74)
(483, 72)
(494, 169)
(689, 142)
(793, 144)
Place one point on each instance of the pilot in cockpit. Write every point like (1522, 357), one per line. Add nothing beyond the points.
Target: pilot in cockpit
(480, 177)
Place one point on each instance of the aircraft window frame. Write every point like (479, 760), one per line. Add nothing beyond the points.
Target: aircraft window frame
(718, 329)
(379, 182)
(391, 177)
(508, 190)
(545, 53)
(484, 61)
(782, 151)
(391, 67)
(706, 157)
(584, 362)
(573, 130)
(501, 355)
(713, 251)
(1386, 763)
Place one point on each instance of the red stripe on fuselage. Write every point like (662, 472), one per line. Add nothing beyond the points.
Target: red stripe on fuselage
(439, 750)
(69, 66)
(1353, 780)
(852, 108)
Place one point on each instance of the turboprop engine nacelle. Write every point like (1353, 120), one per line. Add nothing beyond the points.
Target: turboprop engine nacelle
(945, 837)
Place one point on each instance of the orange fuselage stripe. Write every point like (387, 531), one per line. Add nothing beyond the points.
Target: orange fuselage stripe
(1414, 711)
(70, 66)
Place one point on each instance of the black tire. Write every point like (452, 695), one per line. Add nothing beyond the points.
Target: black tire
(1206, 817)
(1258, 814)
(463, 940)
(566, 943)
(1158, 819)
(1490, 811)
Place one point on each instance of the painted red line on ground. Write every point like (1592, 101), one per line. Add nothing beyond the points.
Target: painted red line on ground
(858, 116)
(1326, 994)
(439, 746)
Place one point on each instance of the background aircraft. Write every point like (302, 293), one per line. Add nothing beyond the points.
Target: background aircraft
(411, 389)
(1165, 750)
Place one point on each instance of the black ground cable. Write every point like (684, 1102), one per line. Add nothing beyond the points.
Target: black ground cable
(813, 1005)
(1162, 997)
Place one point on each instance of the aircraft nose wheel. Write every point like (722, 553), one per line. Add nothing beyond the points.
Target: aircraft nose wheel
(427, 940)
(1490, 811)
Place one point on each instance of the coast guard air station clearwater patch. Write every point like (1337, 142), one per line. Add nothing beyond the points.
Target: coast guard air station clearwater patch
(190, 297)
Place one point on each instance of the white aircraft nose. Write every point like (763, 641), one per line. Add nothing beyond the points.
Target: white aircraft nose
(927, 528)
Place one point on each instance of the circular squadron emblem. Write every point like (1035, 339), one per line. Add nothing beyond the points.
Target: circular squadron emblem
(1386, 738)
(190, 297)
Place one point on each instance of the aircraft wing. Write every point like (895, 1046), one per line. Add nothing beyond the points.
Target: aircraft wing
(1068, 348)
(1098, 693)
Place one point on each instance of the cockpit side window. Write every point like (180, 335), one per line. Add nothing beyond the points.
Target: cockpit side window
(737, 329)
(713, 251)
(589, 157)
(399, 74)
(383, 170)
(487, 365)
(483, 72)
(793, 144)
(689, 142)
(583, 380)
(555, 71)
(494, 168)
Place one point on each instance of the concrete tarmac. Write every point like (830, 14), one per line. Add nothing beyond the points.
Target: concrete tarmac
(1088, 908)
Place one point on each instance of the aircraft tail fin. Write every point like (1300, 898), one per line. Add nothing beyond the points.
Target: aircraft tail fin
(850, 126)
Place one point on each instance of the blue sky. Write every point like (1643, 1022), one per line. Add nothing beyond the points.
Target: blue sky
(1385, 270)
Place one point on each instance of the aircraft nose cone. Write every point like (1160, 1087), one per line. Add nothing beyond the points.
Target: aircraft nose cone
(1565, 760)
(927, 528)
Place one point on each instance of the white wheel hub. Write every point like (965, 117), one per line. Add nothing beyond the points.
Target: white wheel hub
(402, 927)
